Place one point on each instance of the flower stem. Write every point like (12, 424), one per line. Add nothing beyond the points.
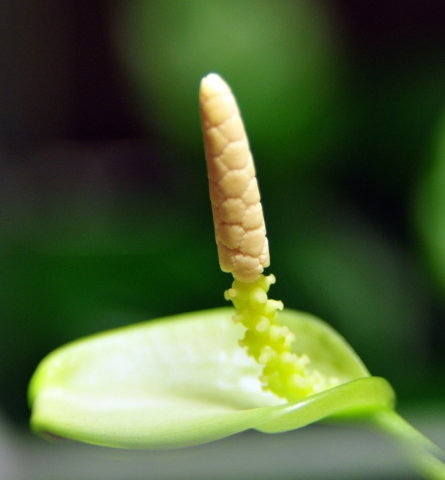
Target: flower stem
(419, 450)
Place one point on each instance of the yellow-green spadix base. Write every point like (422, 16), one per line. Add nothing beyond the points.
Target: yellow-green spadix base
(183, 380)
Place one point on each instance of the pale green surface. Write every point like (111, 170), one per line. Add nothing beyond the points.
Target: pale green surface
(184, 380)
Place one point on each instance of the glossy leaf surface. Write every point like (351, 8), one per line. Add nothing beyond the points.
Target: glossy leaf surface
(184, 380)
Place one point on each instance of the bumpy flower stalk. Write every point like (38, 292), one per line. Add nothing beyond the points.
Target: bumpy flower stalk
(243, 248)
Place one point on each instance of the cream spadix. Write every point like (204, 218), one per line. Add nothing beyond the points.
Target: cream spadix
(240, 231)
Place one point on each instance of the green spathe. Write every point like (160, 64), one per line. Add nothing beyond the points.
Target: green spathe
(183, 381)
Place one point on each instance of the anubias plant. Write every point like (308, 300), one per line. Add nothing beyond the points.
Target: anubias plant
(184, 380)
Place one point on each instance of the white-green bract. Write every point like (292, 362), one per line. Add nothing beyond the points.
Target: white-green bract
(184, 380)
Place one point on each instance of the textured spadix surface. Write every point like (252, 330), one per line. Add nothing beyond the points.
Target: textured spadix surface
(240, 231)
(183, 380)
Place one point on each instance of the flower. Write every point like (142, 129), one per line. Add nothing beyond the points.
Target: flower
(183, 381)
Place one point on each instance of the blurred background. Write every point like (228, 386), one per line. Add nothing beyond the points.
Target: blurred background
(104, 211)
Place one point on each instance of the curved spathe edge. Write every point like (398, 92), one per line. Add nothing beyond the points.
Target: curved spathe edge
(355, 399)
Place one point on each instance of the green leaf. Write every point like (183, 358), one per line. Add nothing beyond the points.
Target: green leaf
(184, 380)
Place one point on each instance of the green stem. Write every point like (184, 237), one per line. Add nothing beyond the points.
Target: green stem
(419, 450)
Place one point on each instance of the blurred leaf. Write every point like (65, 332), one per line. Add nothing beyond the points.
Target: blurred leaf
(430, 208)
(280, 57)
(335, 263)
